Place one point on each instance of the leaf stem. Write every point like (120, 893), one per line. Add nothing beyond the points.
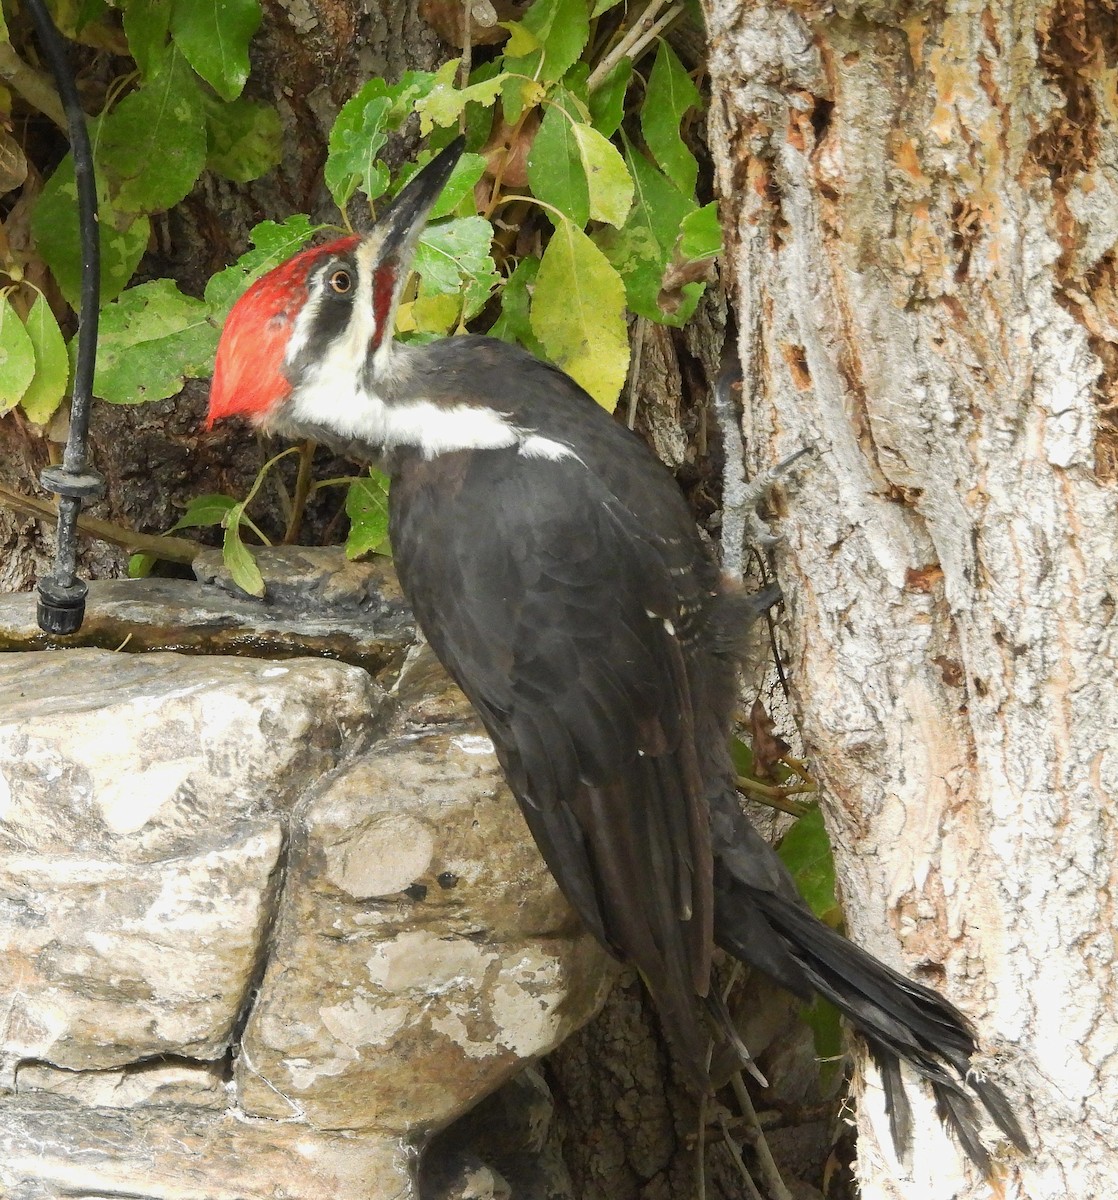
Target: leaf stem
(542, 203)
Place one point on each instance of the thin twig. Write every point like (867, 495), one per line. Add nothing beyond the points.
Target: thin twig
(33, 86)
(769, 1170)
(633, 40)
(739, 1162)
(170, 549)
(774, 797)
(302, 491)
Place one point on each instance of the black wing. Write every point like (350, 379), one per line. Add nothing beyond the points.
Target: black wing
(556, 612)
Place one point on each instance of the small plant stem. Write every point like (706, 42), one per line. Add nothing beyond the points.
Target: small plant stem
(499, 174)
(774, 797)
(250, 524)
(302, 492)
(170, 549)
(635, 369)
(739, 1162)
(634, 41)
(541, 203)
(769, 1168)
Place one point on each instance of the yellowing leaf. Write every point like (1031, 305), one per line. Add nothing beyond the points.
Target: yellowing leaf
(607, 177)
(444, 103)
(578, 314)
(52, 365)
(521, 41)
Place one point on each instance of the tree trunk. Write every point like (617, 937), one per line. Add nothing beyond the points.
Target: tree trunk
(922, 208)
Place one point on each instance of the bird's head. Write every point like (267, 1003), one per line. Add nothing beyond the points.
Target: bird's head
(308, 348)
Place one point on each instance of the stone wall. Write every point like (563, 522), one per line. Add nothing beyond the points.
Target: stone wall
(264, 924)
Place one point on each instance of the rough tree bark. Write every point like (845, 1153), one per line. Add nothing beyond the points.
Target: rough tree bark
(923, 211)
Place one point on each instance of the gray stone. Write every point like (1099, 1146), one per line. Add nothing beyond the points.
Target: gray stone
(142, 809)
(199, 1085)
(52, 1147)
(452, 955)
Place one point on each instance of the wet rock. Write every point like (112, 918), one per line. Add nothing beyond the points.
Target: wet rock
(317, 603)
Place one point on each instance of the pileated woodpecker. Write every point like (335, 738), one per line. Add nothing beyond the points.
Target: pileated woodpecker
(555, 569)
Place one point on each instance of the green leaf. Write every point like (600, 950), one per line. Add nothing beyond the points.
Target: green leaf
(577, 83)
(151, 339)
(238, 557)
(607, 177)
(700, 234)
(274, 243)
(52, 364)
(467, 171)
(562, 29)
(825, 1023)
(355, 140)
(366, 505)
(454, 257)
(607, 101)
(555, 171)
(214, 35)
(641, 249)
(146, 25)
(514, 324)
(244, 138)
(578, 314)
(17, 357)
(670, 94)
(445, 102)
(806, 852)
(205, 510)
(602, 6)
(54, 224)
(152, 147)
(140, 565)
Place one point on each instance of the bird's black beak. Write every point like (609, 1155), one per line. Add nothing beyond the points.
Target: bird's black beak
(400, 225)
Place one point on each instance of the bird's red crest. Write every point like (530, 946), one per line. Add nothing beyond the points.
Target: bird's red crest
(248, 379)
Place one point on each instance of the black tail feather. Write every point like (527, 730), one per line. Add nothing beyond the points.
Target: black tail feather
(899, 1019)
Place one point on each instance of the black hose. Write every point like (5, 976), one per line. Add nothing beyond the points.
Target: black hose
(62, 595)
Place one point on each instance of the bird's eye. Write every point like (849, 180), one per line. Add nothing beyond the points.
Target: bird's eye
(340, 282)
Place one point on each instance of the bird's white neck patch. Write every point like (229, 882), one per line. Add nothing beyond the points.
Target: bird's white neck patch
(328, 400)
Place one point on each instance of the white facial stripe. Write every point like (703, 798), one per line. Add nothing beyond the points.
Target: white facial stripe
(304, 323)
(359, 330)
